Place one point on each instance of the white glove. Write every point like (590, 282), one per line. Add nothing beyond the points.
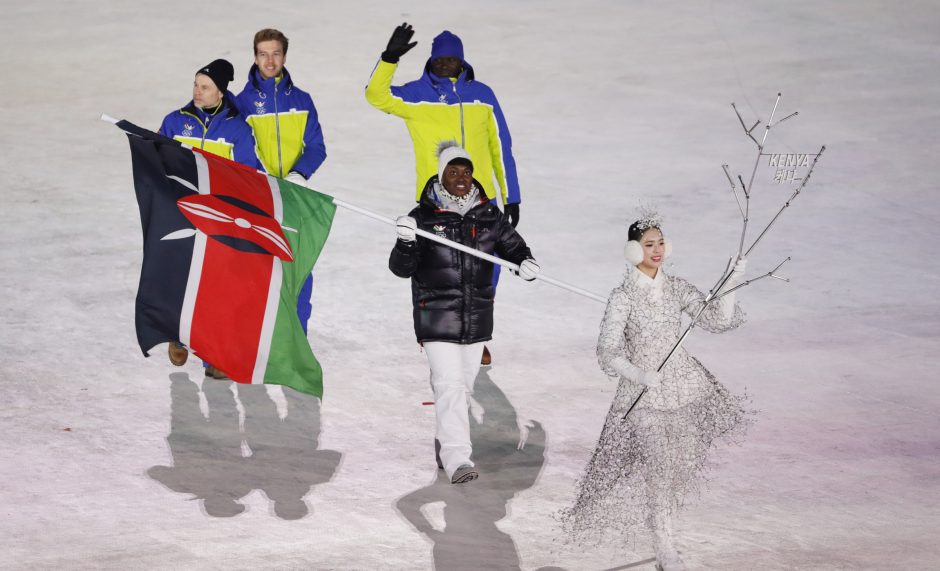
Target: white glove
(650, 379)
(625, 368)
(726, 303)
(528, 269)
(296, 178)
(739, 268)
(406, 225)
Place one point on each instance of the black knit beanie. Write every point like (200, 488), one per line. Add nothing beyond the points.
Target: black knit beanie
(220, 72)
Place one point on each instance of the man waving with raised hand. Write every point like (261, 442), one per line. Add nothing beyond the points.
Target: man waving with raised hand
(448, 103)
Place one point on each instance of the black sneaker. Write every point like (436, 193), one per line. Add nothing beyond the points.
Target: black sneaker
(464, 474)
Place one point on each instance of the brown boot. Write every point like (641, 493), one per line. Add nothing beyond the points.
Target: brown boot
(215, 373)
(487, 358)
(178, 353)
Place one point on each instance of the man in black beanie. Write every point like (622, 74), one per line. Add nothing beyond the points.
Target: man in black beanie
(221, 72)
(211, 122)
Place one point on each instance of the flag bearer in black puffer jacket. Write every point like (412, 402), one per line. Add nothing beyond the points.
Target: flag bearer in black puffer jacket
(452, 291)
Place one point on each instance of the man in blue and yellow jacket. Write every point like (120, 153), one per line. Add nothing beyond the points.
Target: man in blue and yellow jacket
(282, 116)
(285, 124)
(448, 103)
(211, 121)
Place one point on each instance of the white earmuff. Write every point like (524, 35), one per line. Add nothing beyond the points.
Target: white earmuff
(633, 252)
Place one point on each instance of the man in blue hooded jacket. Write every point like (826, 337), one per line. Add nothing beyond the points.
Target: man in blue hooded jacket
(282, 116)
(285, 124)
(447, 103)
(211, 121)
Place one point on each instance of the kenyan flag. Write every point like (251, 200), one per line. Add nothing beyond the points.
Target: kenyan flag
(226, 251)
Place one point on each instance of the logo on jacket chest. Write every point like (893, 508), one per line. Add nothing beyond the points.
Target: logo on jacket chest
(188, 130)
(440, 230)
(259, 108)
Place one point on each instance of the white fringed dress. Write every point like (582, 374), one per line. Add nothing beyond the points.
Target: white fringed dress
(645, 466)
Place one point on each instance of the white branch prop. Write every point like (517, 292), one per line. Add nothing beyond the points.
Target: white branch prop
(716, 292)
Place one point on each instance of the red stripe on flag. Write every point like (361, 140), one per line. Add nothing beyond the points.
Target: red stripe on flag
(230, 307)
(233, 291)
(236, 180)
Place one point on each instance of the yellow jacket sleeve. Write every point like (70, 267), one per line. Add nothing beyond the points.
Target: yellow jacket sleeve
(379, 91)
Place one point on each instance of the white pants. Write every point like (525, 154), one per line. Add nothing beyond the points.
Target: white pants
(454, 369)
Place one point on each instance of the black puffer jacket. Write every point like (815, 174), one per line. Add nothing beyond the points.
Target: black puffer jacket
(453, 291)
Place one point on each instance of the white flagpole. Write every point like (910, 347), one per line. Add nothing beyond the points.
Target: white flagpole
(493, 259)
(471, 251)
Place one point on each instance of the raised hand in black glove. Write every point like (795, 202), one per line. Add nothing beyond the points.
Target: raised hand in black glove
(512, 213)
(398, 44)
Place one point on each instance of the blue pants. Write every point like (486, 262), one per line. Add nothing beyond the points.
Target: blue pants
(304, 306)
(496, 267)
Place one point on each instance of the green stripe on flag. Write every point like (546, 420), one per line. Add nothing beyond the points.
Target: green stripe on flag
(291, 361)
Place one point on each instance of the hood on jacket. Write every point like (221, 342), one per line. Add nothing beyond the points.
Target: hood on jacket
(258, 83)
(447, 44)
(229, 108)
(465, 75)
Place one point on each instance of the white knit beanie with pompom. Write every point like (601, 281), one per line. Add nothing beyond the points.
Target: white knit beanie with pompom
(446, 152)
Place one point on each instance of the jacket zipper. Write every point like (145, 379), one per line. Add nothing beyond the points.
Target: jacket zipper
(277, 132)
(205, 128)
(205, 132)
(466, 270)
(463, 138)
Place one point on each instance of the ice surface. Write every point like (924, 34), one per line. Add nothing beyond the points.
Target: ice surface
(610, 104)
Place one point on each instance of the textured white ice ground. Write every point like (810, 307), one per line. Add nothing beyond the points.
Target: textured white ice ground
(609, 103)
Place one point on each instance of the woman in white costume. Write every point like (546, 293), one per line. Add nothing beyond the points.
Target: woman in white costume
(645, 465)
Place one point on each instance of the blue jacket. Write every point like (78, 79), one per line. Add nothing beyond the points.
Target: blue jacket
(437, 109)
(285, 124)
(223, 133)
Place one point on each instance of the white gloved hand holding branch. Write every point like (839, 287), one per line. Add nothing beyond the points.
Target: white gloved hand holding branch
(737, 271)
(739, 266)
(648, 379)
